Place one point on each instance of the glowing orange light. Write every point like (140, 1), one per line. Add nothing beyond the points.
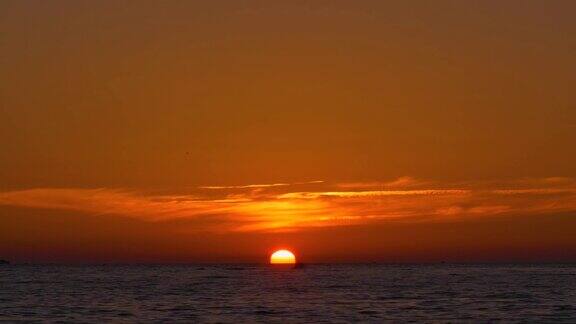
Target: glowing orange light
(282, 257)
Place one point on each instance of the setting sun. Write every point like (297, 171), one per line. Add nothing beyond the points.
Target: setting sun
(282, 257)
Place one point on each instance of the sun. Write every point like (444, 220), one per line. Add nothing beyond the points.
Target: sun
(282, 257)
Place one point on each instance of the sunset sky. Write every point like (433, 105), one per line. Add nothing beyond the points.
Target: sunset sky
(345, 131)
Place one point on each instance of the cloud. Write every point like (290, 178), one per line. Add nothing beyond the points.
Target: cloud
(377, 193)
(117, 202)
(259, 186)
(276, 207)
(241, 213)
(402, 182)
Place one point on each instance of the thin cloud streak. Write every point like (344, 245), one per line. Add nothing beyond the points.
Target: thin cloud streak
(402, 182)
(258, 186)
(376, 193)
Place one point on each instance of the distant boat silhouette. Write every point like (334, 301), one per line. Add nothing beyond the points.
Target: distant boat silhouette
(4, 262)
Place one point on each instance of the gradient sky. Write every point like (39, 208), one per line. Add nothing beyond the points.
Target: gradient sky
(217, 131)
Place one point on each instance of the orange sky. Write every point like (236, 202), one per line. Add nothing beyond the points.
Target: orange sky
(188, 131)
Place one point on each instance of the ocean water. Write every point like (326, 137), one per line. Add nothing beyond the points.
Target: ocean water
(316, 293)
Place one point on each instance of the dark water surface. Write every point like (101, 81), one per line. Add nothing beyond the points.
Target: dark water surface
(317, 293)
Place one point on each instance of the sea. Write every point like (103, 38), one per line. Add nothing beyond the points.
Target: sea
(315, 293)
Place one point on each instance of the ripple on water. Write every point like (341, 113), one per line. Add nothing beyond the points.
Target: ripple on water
(231, 293)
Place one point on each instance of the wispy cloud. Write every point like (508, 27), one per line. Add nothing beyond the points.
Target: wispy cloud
(372, 193)
(402, 182)
(117, 202)
(277, 206)
(260, 186)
